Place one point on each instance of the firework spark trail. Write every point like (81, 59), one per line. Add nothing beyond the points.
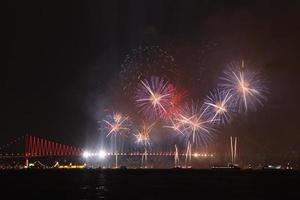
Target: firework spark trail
(176, 126)
(116, 124)
(194, 124)
(154, 98)
(246, 86)
(143, 135)
(144, 62)
(219, 106)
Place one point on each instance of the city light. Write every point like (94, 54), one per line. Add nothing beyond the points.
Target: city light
(86, 154)
(102, 154)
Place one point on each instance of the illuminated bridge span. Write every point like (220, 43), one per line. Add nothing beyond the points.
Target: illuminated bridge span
(38, 147)
(29, 146)
(156, 154)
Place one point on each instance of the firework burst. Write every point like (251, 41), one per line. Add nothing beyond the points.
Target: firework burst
(194, 123)
(247, 87)
(116, 124)
(154, 98)
(176, 126)
(175, 104)
(143, 134)
(144, 62)
(219, 106)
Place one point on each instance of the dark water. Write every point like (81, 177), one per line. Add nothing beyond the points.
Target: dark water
(149, 184)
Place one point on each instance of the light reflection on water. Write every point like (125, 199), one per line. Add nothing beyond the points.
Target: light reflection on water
(94, 190)
(149, 184)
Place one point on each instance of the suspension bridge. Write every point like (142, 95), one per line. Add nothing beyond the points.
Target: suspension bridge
(29, 146)
(32, 147)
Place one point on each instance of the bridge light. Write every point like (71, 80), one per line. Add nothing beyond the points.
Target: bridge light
(102, 154)
(86, 154)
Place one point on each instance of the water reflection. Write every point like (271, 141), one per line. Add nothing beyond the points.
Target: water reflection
(95, 186)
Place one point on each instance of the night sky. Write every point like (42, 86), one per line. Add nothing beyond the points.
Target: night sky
(62, 62)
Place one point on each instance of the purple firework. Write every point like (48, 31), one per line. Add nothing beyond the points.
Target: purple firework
(154, 97)
(246, 86)
(219, 106)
